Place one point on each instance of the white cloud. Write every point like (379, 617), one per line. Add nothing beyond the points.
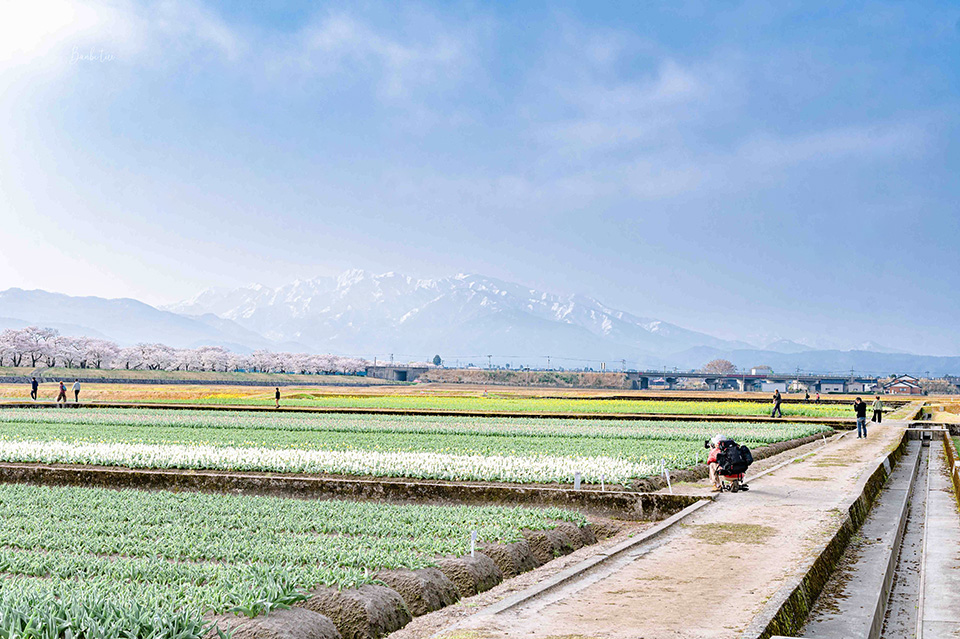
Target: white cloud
(617, 116)
(340, 43)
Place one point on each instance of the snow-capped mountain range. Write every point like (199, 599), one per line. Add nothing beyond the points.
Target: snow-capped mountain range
(462, 318)
(360, 312)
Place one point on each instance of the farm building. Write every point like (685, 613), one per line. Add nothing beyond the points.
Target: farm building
(861, 386)
(903, 385)
(396, 373)
(833, 386)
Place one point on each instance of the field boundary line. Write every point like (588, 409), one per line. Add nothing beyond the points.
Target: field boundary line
(836, 422)
(630, 505)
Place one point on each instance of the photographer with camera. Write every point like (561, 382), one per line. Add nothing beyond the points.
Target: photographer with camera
(713, 464)
(728, 461)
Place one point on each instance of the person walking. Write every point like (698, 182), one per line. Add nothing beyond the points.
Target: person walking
(776, 404)
(806, 396)
(76, 391)
(277, 397)
(877, 410)
(34, 387)
(860, 408)
(62, 395)
(818, 397)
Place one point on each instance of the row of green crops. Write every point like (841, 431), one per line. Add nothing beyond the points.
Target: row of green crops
(478, 449)
(149, 564)
(540, 405)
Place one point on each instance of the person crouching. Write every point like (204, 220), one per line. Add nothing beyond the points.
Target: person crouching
(713, 464)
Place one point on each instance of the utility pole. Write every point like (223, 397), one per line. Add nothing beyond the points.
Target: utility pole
(623, 365)
(391, 359)
(548, 362)
(489, 362)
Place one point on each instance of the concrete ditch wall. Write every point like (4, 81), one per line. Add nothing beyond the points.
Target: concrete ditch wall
(787, 611)
(953, 463)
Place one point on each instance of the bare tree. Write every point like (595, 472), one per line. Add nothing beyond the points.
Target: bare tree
(938, 387)
(720, 367)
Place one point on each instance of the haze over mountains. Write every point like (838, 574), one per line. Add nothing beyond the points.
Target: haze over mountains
(465, 317)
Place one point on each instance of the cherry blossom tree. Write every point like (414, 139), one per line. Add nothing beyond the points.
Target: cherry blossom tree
(99, 353)
(36, 342)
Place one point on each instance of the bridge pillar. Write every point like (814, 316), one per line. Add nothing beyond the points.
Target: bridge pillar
(643, 383)
(742, 384)
(671, 382)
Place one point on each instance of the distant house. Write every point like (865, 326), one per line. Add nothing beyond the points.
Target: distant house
(903, 385)
(861, 386)
(761, 370)
(769, 387)
(833, 386)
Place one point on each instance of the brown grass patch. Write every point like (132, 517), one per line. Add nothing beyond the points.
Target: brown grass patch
(719, 534)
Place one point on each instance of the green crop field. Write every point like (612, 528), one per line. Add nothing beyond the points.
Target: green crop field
(87, 562)
(537, 405)
(521, 450)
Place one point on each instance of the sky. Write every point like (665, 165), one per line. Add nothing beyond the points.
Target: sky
(753, 170)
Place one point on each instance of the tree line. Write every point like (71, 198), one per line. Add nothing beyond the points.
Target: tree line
(34, 346)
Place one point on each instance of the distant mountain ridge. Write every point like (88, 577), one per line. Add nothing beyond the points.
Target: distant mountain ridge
(463, 317)
(362, 312)
(126, 321)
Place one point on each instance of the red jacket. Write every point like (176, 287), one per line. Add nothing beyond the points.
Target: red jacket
(713, 454)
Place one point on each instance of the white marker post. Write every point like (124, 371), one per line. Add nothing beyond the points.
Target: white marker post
(666, 473)
(576, 480)
(473, 543)
(603, 486)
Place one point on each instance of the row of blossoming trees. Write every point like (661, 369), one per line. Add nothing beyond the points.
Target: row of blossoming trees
(35, 346)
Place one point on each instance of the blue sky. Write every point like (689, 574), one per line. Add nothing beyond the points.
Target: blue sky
(747, 169)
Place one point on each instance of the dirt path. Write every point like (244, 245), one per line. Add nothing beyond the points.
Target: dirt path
(714, 572)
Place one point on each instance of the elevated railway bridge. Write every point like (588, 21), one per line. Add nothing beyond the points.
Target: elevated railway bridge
(828, 383)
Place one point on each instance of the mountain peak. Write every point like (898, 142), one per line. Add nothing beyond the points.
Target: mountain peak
(351, 277)
(361, 312)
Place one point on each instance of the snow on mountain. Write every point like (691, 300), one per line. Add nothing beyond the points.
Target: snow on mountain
(873, 347)
(361, 312)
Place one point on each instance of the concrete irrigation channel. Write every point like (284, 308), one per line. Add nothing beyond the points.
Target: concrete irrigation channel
(752, 566)
(899, 577)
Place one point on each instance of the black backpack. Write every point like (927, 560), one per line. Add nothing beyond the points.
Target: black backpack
(746, 454)
(734, 459)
